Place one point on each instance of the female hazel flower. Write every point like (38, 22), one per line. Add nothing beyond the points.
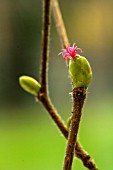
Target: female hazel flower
(79, 68)
(70, 52)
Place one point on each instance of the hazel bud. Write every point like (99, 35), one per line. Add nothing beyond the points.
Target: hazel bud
(80, 71)
(69, 122)
(30, 85)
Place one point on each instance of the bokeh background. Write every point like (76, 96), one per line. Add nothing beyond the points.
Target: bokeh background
(28, 137)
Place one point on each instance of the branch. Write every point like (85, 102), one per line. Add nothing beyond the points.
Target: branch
(79, 95)
(45, 45)
(85, 157)
(59, 23)
(43, 94)
(53, 113)
(79, 151)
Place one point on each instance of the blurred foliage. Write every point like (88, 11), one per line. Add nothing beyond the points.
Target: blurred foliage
(27, 139)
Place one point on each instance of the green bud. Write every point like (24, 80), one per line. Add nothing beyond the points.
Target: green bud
(30, 85)
(80, 71)
(69, 122)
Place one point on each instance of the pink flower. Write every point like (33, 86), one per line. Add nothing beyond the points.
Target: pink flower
(70, 52)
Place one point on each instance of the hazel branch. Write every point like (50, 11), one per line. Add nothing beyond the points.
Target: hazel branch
(79, 95)
(45, 46)
(79, 151)
(59, 23)
(85, 157)
(31, 85)
(53, 114)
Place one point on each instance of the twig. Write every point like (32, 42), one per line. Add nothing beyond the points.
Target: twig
(43, 95)
(45, 45)
(59, 23)
(85, 157)
(53, 113)
(79, 95)
(79, 151)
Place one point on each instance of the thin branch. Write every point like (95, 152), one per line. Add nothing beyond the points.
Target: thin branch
(45, 45)
(85, 157)
(53, 113)
(43, 95)
(79, 151)
(79, 95)
(59, 23)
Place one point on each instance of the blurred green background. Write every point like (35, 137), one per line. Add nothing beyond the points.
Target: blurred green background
(28, 137)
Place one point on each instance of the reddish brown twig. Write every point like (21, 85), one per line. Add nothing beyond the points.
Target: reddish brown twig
(43, 95)
(79, 95)
(79, 151)
(45, 46)
(59, 23)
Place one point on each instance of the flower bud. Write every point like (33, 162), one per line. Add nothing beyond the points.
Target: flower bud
(80, 71)
(30, 85)
(69, 122)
